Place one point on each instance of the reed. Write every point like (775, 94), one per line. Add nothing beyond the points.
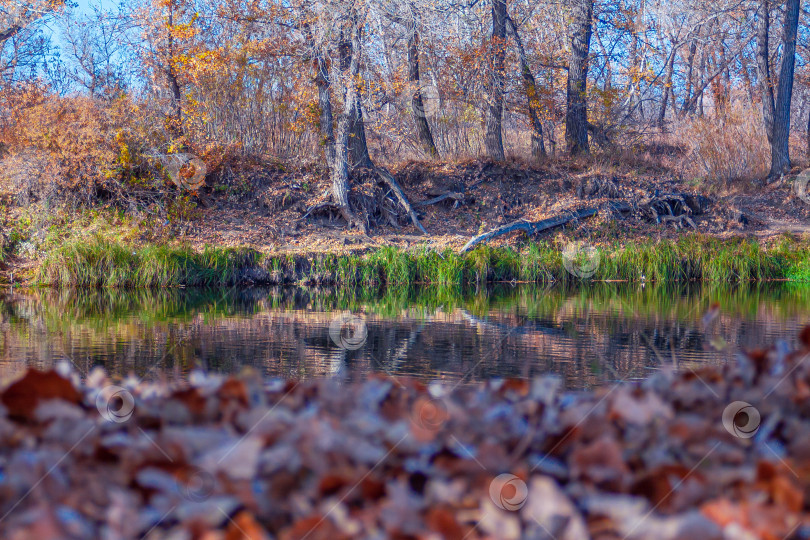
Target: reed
(102, 262)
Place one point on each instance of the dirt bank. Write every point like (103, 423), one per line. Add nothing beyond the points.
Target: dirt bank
(277, 212)
(481, 196)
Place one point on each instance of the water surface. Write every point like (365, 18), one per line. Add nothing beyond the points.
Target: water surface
(589, 336)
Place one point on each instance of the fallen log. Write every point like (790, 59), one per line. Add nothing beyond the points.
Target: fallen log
(531, 227)
(453, 195)
(389, 179)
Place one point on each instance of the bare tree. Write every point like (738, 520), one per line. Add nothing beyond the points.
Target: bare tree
(493, 139)
(576, 117)
(340, 164)
(417, 100)
(532, 96)
(20, 44)
(780, 152)
(776, 108)
(358, 146)
(764, 66)
(94, 50)
(15, 15)
(409, 16)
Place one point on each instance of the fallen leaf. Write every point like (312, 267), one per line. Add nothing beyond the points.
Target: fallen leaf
(22, 398)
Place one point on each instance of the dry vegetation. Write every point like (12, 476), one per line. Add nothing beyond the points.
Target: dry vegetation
(431, 92)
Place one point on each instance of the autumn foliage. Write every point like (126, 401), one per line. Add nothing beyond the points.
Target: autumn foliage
(237, 82)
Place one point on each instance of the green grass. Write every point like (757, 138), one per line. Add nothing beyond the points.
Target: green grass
(101, 262)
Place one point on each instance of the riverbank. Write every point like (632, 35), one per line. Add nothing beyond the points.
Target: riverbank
(97, 261)
(643, 223)
(719, 452)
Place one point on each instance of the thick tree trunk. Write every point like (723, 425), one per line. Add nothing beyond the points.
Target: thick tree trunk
(780, 152)
(764, 67)
(494, 123)
(339, 158)
(358, 145)
(325, 104)
(358, 154)
(530, 87)
(576, 117)
(417, 102)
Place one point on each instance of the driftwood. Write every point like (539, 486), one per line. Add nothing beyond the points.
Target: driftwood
(531, 227)
(389, 179)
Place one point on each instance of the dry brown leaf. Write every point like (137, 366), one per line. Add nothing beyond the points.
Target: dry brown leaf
(22, 398)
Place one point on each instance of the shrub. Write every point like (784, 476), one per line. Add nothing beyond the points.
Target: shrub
(62, 144)
(724, 151)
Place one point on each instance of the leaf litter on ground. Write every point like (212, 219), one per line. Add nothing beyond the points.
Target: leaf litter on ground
(218, 457)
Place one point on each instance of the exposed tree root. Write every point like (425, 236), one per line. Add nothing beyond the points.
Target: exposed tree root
(376, 199)
(674, 208)
(679, 221)
(392, 183)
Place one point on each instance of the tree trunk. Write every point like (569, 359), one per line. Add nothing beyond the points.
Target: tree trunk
(325, 104)
(576, 117)
(726, 86)
(690, 72)
(339, 158)
(808, 137)
(417, 103)
(764, 67)
(746, 75)
(634, 81)
(358, 145)
(358, 154)
(662, 112)
(323, 83)
(530, 87)
(493, 140)
(780, 151)
(177, 121)
(702, 81)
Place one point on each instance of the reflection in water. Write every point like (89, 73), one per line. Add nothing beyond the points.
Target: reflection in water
(588, 336)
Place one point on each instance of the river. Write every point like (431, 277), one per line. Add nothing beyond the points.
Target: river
(589, 336)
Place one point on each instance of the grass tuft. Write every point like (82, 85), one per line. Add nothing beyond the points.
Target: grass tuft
(101, 262)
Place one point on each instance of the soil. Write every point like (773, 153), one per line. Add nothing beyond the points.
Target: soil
(489, 195)
(269, 208)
